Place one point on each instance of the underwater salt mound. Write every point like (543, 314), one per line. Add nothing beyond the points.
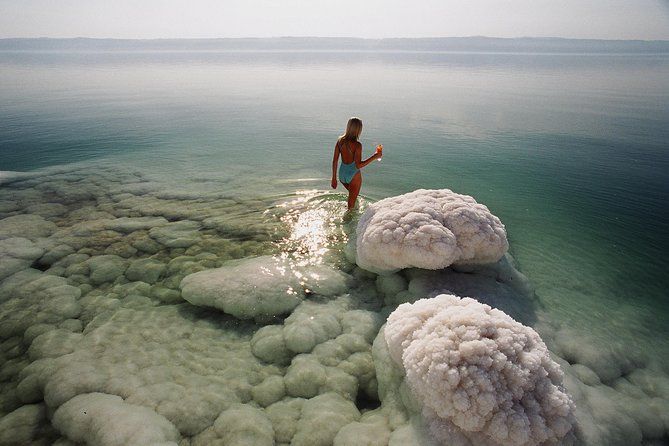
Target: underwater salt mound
(27, 425)
(428, 229)
(31, 297)
(87, 418)
(240, 424)
(171, 359)
(128, 225)
(328, 346)
(16, 254)
(479, 375)
(29, 226)
(260, 287)
(180, 234)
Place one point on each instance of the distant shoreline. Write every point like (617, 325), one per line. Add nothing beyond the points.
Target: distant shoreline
(550, 45)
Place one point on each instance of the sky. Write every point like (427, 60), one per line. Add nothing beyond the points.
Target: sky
(602, 19)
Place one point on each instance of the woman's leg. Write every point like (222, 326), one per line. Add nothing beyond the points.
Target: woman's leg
(354, 189)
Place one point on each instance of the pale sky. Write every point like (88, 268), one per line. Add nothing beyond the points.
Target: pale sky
(603, 19)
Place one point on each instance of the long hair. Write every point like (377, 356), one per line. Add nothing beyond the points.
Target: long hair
(353, 129)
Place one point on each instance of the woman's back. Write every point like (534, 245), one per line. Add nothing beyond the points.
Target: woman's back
(347, 149)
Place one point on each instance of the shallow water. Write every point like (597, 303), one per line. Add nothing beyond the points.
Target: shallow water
(570, 151)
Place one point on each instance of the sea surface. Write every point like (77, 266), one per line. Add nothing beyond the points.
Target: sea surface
(571, 151)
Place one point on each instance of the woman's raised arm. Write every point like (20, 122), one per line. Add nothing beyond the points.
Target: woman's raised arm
(358, 158)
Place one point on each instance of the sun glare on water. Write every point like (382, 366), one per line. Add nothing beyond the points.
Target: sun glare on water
(314, 225)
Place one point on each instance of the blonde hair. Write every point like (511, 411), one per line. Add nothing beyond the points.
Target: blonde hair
(353, 129)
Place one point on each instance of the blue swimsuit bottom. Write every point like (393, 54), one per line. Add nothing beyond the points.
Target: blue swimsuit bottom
(347, 172)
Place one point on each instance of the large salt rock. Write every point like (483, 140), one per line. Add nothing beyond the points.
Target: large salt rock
(106, 420)
(428, 229)
(479, 375)
(260, 287)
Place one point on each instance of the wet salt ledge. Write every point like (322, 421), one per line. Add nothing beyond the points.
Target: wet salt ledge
(207, 318)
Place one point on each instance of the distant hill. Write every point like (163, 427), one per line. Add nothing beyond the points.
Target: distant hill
(455, 44)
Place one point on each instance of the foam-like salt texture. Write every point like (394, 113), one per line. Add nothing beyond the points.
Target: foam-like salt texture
(428, 229)
(479, 372)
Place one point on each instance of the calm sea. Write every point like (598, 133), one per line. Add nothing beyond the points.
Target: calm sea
(570, 151)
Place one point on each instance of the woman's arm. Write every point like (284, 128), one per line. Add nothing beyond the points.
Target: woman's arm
(358, 158)
(335, 161)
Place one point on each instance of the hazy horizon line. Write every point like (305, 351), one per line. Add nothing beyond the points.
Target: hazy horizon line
(332, 37)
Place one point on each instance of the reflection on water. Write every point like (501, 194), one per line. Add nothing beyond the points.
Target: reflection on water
(315, 227)
(309, 232)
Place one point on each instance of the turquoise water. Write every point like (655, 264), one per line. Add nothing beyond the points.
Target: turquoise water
(570, 151)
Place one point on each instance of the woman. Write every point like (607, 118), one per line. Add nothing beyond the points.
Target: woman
(351, 160)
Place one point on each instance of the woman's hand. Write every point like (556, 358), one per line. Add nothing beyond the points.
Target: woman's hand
(333, 183)
(379, 152)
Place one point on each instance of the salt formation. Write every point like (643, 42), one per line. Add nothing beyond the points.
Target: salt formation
(429, 229)
(86, 419)
(148, 356)
(327, 347)
(261, 287)
(27, 425)
(240, 424)
(30, 297)
(322, 417)
(181, 234)
(92, 319)
(16, 254)
(479, 374)
(26, 225)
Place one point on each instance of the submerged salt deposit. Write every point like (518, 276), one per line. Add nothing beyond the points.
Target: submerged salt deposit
(261, 287)
(132, 312)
